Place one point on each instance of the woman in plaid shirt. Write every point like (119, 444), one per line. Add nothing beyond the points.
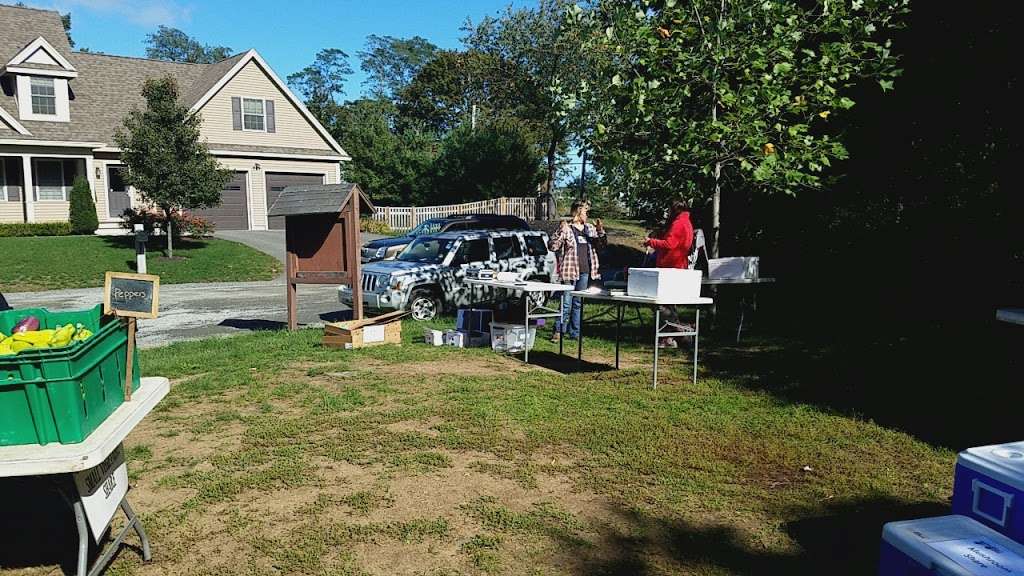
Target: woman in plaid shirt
(575, 246)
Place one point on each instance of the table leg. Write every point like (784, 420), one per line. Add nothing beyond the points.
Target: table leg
(147, 554)
(657, 334)
(83, 536)
(618, 330)
(743, 310)
(526, 325)
(579, 343)
(696, 338)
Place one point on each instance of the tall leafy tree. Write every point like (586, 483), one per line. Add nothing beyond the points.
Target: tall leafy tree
(701, 97)
(391, 163)
(322, 82)
(391, 63)
(545, 43)
(168, 164)
(174, 45)
(455, 85)
(492, 161)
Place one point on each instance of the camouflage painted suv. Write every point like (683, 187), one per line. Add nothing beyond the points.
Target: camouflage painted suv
(427, 276)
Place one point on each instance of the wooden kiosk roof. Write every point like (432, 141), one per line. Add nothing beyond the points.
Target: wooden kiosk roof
(318, 199)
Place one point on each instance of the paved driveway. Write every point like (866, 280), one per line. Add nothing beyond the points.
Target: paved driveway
(269, 241)
(190, 311)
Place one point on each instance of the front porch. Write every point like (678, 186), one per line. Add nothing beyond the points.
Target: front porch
(37, 187)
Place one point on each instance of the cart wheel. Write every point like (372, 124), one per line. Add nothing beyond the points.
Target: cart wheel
(424, 305)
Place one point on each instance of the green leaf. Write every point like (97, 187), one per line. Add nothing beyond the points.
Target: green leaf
(845, 103)
(886, 85)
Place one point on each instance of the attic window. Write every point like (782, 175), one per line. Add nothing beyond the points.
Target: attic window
(44, 96)
(253, 114)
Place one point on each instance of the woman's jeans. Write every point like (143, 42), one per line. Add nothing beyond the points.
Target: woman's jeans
(572, 309)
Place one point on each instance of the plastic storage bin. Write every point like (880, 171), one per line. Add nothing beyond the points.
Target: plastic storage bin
(734, 268)
(512, 338)
(664, 283)
(947, 546)
(62, 395)
(988, 486)
(474, 320)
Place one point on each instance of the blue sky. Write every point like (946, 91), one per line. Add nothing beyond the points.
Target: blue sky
(288, 33)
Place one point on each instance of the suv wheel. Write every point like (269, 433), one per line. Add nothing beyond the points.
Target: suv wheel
(424, 305)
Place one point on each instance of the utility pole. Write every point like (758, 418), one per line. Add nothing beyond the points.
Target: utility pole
(583, 177)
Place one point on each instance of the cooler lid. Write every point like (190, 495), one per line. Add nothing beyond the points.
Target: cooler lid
(956, 546)
(1002, 462)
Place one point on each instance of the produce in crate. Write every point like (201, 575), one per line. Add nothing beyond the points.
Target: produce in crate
(26, 324)
(42, 339)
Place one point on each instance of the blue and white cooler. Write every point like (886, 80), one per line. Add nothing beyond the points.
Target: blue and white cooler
(989, 486)
(947, 546)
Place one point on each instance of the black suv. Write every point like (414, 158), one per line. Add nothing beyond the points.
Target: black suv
(388, 248)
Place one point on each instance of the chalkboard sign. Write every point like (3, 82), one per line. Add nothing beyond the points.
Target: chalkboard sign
(131, 295)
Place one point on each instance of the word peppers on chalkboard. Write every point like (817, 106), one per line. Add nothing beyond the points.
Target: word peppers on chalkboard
(131, 295)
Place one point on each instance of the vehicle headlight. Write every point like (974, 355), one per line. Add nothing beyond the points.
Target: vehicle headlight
(381, 252)
(395, 283)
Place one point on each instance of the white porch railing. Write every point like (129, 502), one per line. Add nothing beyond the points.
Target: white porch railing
(407, 217)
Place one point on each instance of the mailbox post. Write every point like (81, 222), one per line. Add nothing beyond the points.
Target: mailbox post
(141, 237)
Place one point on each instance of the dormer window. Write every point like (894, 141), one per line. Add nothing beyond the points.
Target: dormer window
(253, 114)
(44, 96)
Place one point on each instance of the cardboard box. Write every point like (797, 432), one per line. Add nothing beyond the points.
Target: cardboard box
(386, 329)
(433, 337)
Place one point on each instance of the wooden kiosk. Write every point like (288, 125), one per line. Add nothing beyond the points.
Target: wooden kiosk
(322, 238)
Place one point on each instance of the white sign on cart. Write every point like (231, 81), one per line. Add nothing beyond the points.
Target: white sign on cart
(101, 489)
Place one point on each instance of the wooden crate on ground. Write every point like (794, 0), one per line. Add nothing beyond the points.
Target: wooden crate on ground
(386, 329)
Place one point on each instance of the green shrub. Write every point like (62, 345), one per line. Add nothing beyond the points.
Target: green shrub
(371, 226)
(35, 229)
(83, 216)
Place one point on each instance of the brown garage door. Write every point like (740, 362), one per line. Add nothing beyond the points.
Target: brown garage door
(276, 182)
(233, 212)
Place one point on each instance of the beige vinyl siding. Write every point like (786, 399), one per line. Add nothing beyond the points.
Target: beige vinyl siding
(293, 130)
(11, 212)
(257, 180)
(52, 211)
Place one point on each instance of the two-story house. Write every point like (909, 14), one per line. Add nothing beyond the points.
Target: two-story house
(59, 110)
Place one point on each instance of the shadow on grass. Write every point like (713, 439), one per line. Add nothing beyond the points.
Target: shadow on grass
(843, 539)
(253, 325)
(156, 245)
(565, 363)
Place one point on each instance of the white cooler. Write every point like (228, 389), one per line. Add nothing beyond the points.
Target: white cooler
(947, 546)
(668, 284)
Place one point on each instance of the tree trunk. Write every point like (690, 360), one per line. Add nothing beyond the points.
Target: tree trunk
(716, 211)
(170, 234)
(549, 199)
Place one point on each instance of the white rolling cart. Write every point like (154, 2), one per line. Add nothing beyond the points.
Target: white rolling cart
(92, 476)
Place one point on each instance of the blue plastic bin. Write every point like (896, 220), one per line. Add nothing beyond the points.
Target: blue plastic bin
(947, 546)
(474, 320)
(988, 486)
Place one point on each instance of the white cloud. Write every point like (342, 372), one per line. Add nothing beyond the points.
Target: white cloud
(142, 12)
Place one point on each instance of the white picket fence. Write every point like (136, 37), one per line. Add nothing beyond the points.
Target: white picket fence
(407, 217)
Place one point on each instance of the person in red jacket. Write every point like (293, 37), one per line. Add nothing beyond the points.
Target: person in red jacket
(674, 247)
(672, 250)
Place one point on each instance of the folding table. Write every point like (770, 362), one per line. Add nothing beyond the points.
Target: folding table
(532, 311)
(61, 463)
(621, 301)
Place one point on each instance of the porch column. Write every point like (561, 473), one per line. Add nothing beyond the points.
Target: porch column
(90, 177)
(29, 192)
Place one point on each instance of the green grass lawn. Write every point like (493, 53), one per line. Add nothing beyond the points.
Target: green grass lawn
(54, 263)
(274, 455)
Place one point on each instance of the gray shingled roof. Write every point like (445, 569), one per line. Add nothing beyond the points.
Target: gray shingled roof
(106, 87)
(19, 27)
(317, 199)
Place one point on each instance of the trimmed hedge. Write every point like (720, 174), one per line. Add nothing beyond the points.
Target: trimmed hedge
(35, 229)
(83, 210)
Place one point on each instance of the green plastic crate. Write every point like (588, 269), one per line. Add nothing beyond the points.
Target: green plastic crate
(63, 394)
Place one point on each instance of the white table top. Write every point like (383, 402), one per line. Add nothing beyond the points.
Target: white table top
(54, 458)
(527, 286)
(693, 301)
(1011, 315)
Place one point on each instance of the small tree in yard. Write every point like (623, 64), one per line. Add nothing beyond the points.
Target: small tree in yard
(83, 210)
(167, 163)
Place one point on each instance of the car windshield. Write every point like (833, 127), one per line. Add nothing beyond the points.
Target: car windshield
(427, 250)
(432, 226)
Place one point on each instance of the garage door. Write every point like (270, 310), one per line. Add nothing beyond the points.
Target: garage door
(276, 182)
(233, 212)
